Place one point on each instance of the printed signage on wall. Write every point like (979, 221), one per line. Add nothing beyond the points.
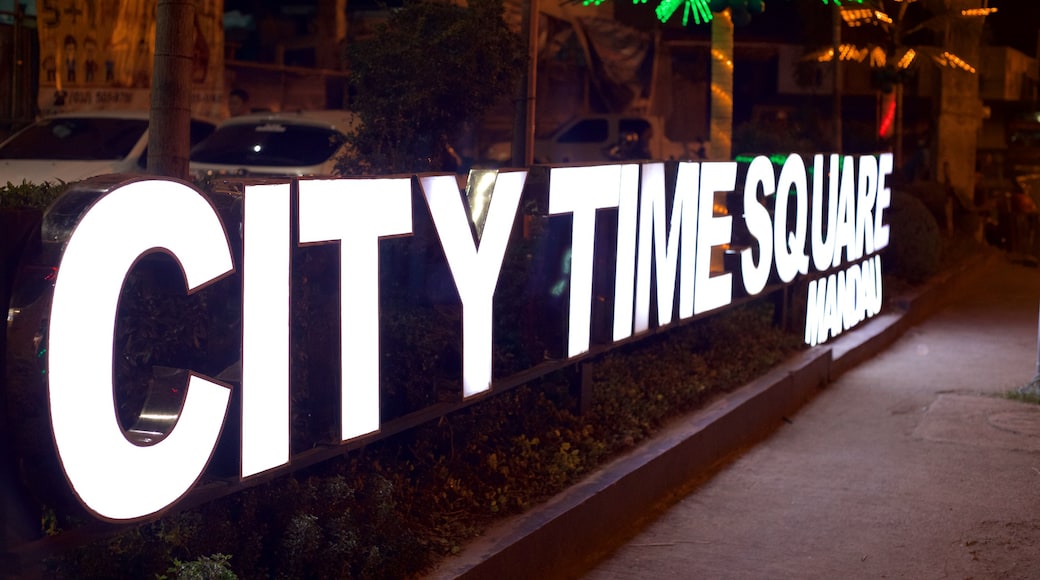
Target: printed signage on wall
(822, 219)
(97, 55)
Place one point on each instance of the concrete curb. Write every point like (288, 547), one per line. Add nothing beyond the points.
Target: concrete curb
(567, 534)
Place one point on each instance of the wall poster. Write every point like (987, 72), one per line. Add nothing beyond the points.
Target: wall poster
(98, 55)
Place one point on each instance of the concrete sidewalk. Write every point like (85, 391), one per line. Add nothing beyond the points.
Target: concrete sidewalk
(906, 466)
(903, 464)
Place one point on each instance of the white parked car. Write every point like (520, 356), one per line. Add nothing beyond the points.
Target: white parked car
(275, 144)
(598, 137)
(74, 146)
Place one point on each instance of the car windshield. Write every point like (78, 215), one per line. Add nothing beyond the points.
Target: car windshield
(76, 139)
(269, 144)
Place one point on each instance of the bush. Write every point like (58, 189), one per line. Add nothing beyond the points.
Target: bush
(915, 248)
(770, 136)
(215, 567)
(932, 195)
(392, 508)
(429, 70)
(30, 195)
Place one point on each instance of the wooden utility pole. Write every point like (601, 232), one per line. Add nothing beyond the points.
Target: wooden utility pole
(169, 132)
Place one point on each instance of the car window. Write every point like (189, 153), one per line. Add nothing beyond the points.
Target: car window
(197, 133)
(76, 139)
(637, 126)
(269, 144)
(587, 131)
(200, 130)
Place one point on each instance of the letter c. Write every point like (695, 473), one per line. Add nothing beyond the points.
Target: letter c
(114, 478)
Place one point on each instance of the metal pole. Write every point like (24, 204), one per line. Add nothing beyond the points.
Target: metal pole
(1037, 351)
(836, 60)
(898, 153)
(524, 111)
(16, 58)
(532, 83)
(1033, 386)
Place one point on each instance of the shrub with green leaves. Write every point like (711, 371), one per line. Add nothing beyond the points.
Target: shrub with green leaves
(214, 567)
(393, 508)
(30, 195)
(429, 70)
(915, 248)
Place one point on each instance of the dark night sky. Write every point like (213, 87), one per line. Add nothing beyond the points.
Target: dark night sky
(1015, 24)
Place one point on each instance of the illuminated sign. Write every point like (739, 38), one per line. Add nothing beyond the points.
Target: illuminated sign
(112, 476)
(671, 226)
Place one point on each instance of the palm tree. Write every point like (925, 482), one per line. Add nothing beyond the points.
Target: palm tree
(730, 13)
(723, 16)
(896, 36)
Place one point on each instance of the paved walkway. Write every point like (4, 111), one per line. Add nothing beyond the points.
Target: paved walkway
(907, 466)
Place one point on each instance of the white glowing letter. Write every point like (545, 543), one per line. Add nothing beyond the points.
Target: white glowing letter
(850, 303)
(823, 246)
(475, 268)
(581, 191)
(658, 247)
(357, 212)
(713, 291)
(872, 280)
(625, 265)
(266, 253)
(757, 219)
(868, 173)
(815, 332)
(846, 233)
(831, 312)
(790, 246)
(884, 197)
(687, 185)
(113, 477)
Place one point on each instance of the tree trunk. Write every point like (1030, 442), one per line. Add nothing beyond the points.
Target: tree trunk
(721, 144)
(169, 139)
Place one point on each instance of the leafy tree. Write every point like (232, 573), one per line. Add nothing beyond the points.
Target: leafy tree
(430, 69)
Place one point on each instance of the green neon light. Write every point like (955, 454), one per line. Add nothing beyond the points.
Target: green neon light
(667, 8)
(700, 10)
(775, 158)
(838, 2)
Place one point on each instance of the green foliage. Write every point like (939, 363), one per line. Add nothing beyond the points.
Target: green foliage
(1029, 393)
(765, 137)
(915, 248)
(637, 393)
(930, 193)
(391, 509)
(431, 68)
(30, 195)
(214, 567)
(159, 325)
